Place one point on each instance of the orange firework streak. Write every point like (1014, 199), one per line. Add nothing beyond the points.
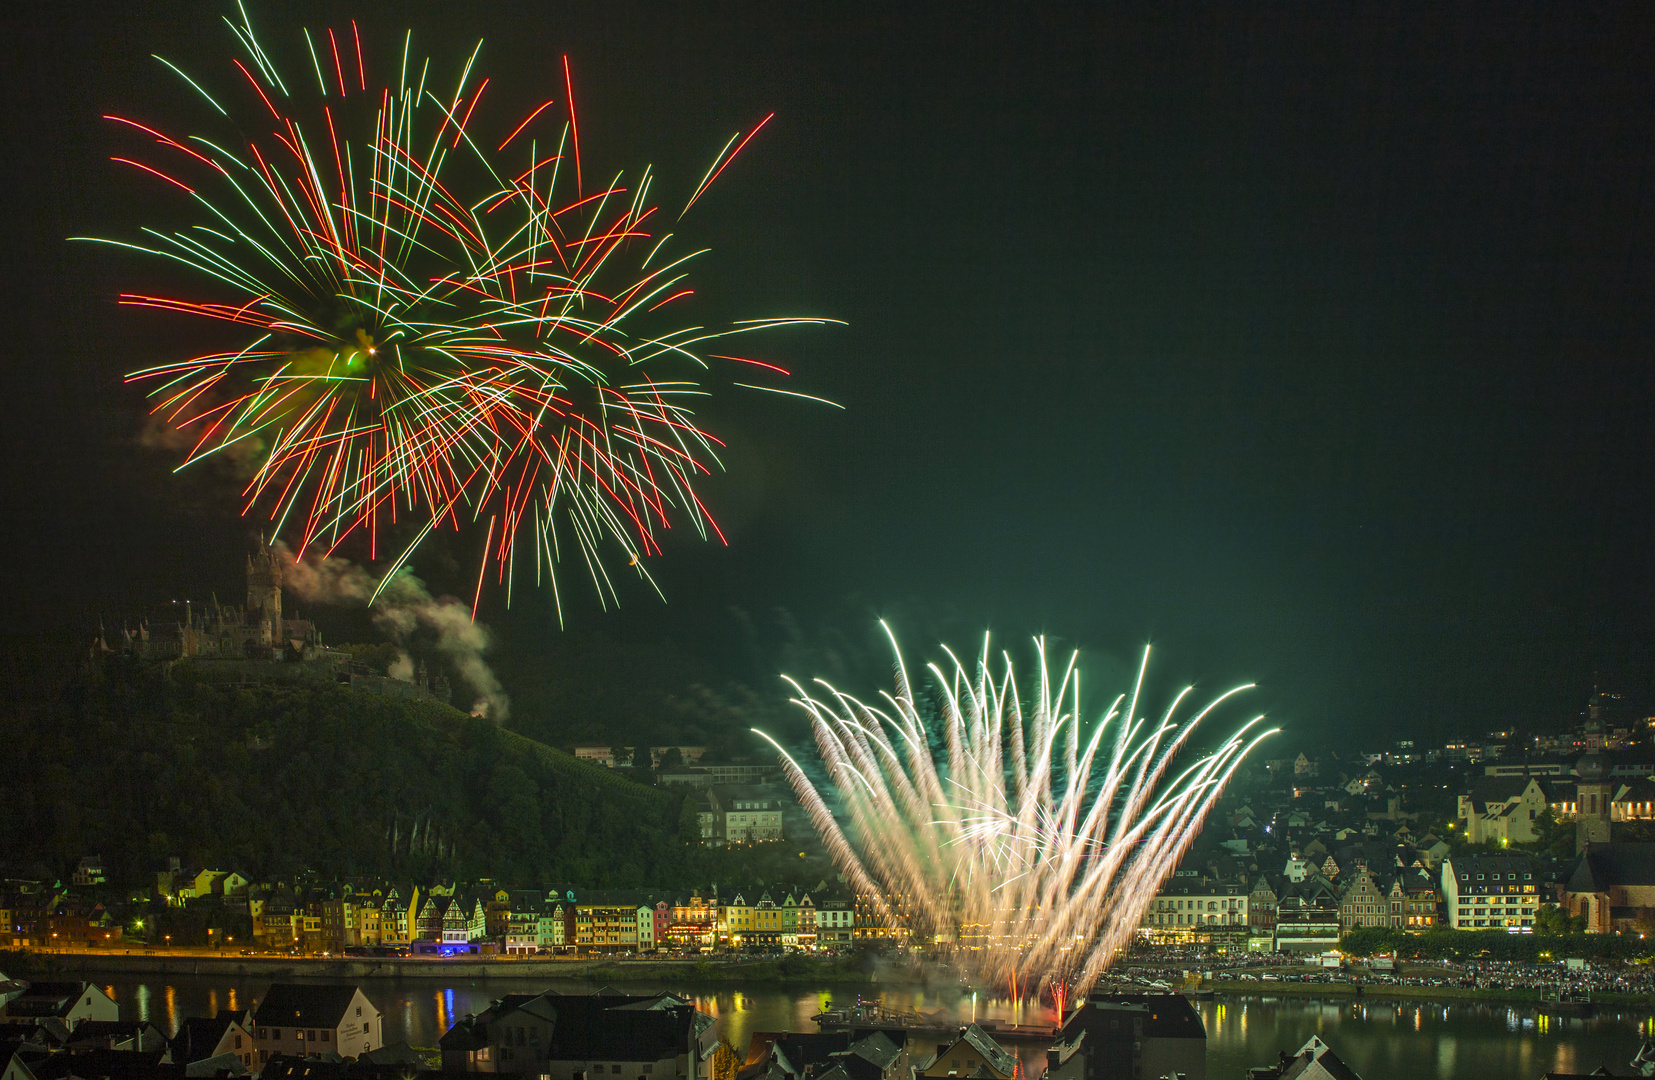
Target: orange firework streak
(433, 334)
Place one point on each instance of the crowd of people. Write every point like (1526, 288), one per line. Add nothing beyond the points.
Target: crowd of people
(1176, 969)
(1607, 977)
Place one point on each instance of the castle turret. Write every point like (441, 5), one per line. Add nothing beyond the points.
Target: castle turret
(264, 596)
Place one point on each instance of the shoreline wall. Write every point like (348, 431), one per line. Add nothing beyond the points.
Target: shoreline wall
(276, 968)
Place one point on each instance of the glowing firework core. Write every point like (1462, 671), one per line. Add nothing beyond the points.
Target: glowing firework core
(1022, 842)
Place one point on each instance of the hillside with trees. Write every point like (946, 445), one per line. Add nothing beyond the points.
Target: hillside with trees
(126, 761)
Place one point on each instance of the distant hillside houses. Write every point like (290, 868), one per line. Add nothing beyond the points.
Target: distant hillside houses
(612, 756)
(1307, 904)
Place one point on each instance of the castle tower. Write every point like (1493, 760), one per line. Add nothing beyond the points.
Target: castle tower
(1592, 801)
(264, 596)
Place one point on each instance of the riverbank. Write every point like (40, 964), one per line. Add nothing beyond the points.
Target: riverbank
(789, 970)
(1390, 992)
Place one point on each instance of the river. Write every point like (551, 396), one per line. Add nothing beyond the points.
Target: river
(1380, 1039)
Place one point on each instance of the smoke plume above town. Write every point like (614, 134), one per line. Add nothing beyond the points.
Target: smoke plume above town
(405, 610)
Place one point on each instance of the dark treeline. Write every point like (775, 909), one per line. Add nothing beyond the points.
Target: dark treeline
(124, 760)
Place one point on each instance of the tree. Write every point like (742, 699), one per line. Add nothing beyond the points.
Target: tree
(143, 763)
(1556, 838)
(671, 758)
(1553, 920)
(641, 760)
(689, 820)
(725, 1061)
(377, 658)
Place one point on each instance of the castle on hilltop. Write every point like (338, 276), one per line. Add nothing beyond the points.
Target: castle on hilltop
(257, 643)
(222, 631)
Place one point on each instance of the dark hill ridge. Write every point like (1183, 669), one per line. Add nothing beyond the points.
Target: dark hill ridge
(271, 780)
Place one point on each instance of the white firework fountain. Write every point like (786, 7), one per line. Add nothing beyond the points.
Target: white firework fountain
(1026, 844)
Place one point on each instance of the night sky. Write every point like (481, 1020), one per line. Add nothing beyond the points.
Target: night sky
(1314, 348)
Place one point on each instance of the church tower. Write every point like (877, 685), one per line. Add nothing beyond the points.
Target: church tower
(1592, 800)
(264, 596)
(1593, 734)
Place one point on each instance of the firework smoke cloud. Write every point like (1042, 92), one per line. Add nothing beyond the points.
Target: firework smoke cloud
(404, 609)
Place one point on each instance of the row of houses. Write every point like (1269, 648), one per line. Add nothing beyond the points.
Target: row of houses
(1512, 809)
(1552, 749)
(50, 1030)
(689, 771)
(70, 1029)
(1309, 905)
(444, 919)
(402, 918)
(41, 912)
(75, 1029)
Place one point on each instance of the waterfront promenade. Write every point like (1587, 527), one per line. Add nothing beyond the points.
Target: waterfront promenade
(1265, 976)
(202, 962)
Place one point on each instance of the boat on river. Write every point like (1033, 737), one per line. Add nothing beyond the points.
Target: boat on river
(1562, 1003)
(874, 1015)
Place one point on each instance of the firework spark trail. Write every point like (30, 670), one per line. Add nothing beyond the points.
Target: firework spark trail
(435, 332)
(1028, 846)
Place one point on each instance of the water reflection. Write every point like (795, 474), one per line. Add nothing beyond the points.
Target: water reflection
(1430, 1041)
(1467, 1040)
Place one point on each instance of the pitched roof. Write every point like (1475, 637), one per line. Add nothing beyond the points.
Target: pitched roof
(878, 1049)
(1199, 887)
(1409, 878)
(1489, 789)
(1602, 866)
(613, 1027)
(199, 1036)
(111, 1033)
(803, 1048)
(398, 1053)
(225, 1064)
(298, 1005)
(1502, 863)
(13, 1032)
(1317, 1061)
(996, 1056)
(48, 999)
(111, 1064)
(1171, 1016)
(327, 1066)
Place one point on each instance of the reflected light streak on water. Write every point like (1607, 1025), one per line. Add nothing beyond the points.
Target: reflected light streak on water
(1468, 1041)
(1443, 1042)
